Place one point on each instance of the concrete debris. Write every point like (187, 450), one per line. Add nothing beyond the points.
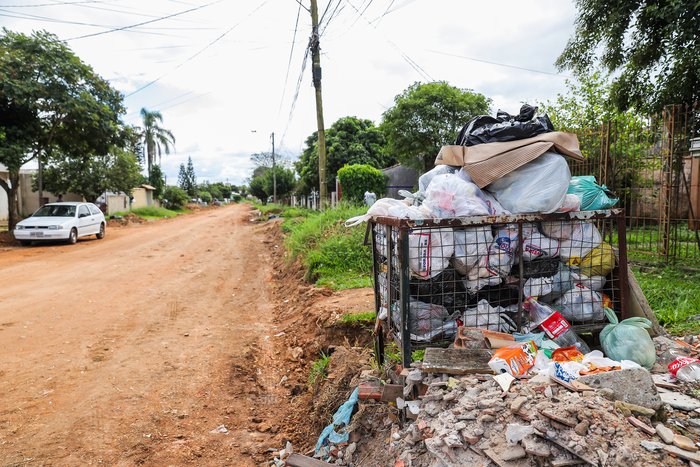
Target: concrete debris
(665, 433)
(633, 385)
(680, 401)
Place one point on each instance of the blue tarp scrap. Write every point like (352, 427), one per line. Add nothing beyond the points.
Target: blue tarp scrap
(336, 433)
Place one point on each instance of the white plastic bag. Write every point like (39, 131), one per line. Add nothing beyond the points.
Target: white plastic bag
(536, 245)
(426, 321)
(449, 196)
(386, 207)
(425, 179)
(538, 286)
(471, 244)
(581, 304)
(503, 248)
(584, 237)
(570, 203)
(538, 186)
(429, 251)
(487, 317)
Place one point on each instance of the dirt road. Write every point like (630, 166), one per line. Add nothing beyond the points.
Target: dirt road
(132, 349)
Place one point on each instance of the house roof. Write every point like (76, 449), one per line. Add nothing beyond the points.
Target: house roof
(148, 187)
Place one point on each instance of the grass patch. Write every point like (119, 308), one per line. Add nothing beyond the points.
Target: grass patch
(319, 368)
(366, 318)
(152, 212)
(333, 254)
(674, 295)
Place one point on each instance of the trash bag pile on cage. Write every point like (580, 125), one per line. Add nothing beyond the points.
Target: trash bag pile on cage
(471, 275)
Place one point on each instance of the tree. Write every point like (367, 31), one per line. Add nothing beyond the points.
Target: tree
(157, 180)
(187, 179)
(90, 176)
(174, 197)
(350, 140)
(156, 140)
(359, 178)
(650, 47)
(427, 116)
(51, 101)
(256, 187)
(285, 181)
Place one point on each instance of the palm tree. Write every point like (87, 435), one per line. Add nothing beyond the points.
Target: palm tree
(155, 138)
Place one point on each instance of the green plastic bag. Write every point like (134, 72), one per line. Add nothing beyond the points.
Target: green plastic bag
(592, 195)
(628, 340)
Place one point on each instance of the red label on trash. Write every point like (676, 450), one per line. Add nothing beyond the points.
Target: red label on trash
(554, 325)
(679, 363)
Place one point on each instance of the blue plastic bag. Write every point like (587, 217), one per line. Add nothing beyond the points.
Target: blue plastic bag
(628, 340)
(336, 432)
(593, 196)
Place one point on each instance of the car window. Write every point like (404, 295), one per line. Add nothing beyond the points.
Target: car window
(83, 211)
(94, 209)
(55, 210)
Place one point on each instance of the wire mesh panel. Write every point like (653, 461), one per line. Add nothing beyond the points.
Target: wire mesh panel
(433, 276)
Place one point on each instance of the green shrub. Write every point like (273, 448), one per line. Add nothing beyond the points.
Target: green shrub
(205, 196)
(152, 212)
(174, 197)
(356, 179)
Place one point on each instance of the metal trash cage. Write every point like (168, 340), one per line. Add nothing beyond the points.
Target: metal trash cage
(431, 276)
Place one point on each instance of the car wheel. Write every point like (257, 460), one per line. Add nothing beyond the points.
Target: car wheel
(73, 236)
(101, 234)
(25, 242)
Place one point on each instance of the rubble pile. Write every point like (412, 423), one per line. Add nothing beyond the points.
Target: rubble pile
(472, 421)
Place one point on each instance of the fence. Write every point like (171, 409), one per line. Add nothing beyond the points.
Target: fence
(647, 163)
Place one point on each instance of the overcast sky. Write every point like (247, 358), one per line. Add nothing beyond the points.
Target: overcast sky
(218, 73)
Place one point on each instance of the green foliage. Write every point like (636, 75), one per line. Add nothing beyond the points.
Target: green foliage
(51, 101)
(418, 355)
(187, 178)
(285, 181)
(157, 180)
(427, 116)
(674, 295)
(205, 196)
(366, 318)
(91, 176)
(174, 197)
(152, 212)
(256, 187)
(319, 368)
(356, 179)
(651, 47)
(333, 254)
(349, 140)
(156, 140)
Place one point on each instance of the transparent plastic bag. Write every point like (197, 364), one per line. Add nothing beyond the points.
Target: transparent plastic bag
(584, 238)
(429, 251)
(487, 317)
(503, 248)
(581, 304)
(389, 207)
(471, 244)
(538, 186)
(593, 196)
(449, 196)
(628, 340)
(570, 203)
(426, 321)
(425, 179)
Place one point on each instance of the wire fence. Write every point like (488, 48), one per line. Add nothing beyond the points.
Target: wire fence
(647, 162)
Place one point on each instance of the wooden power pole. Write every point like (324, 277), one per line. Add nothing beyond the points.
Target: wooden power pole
(274, 170)
(316, 73)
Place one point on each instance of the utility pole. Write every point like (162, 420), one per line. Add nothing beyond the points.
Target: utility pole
(316, 73)
(274, 170)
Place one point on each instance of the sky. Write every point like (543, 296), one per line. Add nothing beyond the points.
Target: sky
(225, 73)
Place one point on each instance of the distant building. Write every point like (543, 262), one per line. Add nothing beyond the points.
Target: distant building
(400, 177)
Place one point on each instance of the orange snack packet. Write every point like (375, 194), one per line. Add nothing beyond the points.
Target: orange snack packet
(567, 354)
(515, 359)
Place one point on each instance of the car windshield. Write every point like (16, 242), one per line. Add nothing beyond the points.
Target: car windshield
(55, 210)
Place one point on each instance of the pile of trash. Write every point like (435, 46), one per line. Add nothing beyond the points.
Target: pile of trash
(471, 275)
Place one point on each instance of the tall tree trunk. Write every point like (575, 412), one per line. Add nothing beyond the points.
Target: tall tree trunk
(12, 190)
(150, 156)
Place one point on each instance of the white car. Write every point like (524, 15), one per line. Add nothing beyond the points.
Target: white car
(61, 221)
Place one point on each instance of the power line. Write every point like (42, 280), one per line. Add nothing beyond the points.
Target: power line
(424, 74)
(516, 67)
(391, 3)
(289, 62)
(145, 22)
(296, 93)
(331, 17)
(199, 52)
(52, 4)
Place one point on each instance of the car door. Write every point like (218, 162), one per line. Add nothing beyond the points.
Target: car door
(86, 221)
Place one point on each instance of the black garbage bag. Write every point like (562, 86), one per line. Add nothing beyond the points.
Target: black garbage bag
(504, 127)
(499, 295)
(446, 289)
(542, 267)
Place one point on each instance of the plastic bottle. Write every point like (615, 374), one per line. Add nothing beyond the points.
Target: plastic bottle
(684, 368)
(554, 325)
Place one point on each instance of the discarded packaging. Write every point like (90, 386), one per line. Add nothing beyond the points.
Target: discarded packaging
(515, 359)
